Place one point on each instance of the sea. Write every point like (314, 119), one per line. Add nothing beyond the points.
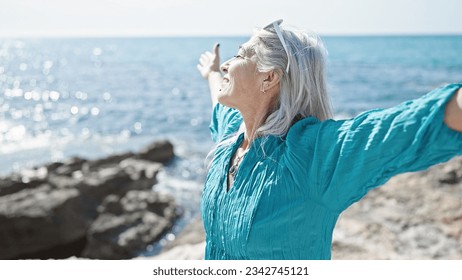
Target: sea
(92, 97)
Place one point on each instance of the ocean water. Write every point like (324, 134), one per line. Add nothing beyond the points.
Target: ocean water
(93, 97)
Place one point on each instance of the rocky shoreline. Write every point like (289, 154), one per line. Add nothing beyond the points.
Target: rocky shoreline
(108, 209)
(99, 209)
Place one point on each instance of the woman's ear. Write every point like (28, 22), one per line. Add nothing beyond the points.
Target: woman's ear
(270, 80)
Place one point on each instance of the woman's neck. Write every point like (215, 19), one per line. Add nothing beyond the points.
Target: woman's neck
(255, 114)
(252, 121)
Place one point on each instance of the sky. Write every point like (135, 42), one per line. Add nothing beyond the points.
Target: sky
(227, 18)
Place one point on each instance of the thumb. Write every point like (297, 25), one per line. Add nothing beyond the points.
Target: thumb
(216, 50)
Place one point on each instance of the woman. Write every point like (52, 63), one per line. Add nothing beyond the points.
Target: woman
(283, 171)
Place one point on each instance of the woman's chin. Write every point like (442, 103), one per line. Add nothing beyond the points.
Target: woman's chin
(222, 94)
(224, 99)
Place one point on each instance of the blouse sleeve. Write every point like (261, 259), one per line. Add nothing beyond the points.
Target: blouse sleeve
(225, 122)
(342, 160)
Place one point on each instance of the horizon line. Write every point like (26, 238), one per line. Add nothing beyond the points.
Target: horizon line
(173, 35)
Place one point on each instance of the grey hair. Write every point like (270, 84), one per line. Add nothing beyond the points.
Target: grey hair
(303, 90)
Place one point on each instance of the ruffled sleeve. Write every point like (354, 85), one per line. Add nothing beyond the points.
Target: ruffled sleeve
(225, 122)
(340, 161)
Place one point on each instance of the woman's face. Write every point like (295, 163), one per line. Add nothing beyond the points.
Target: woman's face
(241, 81)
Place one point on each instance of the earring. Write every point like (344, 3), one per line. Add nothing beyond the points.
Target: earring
(263, 88)
(263, 85)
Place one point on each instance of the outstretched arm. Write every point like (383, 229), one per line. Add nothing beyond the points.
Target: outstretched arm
(209, 67)
(453, 113)
(350, 157)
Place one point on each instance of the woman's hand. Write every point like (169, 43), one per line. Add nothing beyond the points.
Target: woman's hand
(209, 67)
(209, 62)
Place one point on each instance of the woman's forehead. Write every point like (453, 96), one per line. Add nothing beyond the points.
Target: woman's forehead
(247, 48)
(247, 44)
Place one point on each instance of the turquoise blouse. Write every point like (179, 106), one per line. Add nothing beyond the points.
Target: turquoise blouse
(289, 192)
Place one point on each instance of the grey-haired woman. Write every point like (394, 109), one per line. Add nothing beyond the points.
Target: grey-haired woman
(283, 170)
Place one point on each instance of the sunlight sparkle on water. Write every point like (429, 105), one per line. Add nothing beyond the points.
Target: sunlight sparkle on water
(97, 51)
(74, 110)
(23, 66)
(81, 95)
(107, 96)
(54, 95)
(16, 92)
(94, 111)
(138, 127)
(16, 133)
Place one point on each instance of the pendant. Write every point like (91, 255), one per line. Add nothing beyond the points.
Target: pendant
(232, 170)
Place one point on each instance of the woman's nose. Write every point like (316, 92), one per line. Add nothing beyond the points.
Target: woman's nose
(224, 67)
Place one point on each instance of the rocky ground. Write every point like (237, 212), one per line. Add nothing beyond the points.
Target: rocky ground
(413, 216)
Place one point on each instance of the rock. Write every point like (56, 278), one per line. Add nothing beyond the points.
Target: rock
(36, 219)
(142, 217)
(195, 251)
(46, 210)
(188, 245)
(118, 179)
(26, 179)
(193, 233)
(70, 166)
(451, 172)
(12, 185)
(109, 161)
(413, 216)
(111, 205)
(139, 169)
(160, 151)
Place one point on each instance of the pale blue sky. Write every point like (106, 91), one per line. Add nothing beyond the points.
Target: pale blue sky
(232, 17)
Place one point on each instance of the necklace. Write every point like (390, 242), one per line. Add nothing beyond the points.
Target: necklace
(235, 166)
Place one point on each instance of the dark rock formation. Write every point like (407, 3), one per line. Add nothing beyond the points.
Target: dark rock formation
(60, 204)
(126, 225)
(161, 151)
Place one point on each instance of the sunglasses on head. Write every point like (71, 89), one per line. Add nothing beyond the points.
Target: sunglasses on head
(275, 26)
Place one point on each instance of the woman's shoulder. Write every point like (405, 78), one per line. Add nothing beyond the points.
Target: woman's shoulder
(309, 126)
(303, 132)
(311, 131)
